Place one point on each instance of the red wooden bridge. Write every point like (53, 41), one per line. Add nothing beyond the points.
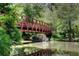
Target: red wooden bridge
(34, 26)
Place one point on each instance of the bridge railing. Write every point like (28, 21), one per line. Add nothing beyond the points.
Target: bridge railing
(35, 25)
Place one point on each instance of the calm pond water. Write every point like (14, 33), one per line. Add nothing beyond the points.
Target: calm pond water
(59, 46)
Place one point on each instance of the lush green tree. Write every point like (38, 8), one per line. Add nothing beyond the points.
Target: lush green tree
(4, 42)
(8, 29)
(32, 11)
(63, 18)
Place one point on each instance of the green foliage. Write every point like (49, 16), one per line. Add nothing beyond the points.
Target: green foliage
(5, 42)
(9, 34)
(4, 8)
(57, 36)
(32, 10)
(16, 36)
(65, 19)
(24, 51)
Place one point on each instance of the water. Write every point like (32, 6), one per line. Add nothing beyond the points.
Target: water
(61, 47)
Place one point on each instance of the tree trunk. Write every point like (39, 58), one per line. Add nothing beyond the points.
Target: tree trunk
(70, 31)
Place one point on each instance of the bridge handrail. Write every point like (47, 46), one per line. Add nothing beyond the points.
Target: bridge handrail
(35, 24)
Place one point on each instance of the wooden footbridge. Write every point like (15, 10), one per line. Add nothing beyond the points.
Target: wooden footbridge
(34, 26)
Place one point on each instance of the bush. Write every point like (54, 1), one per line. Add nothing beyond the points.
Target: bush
(57, 36)
(5, 43)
